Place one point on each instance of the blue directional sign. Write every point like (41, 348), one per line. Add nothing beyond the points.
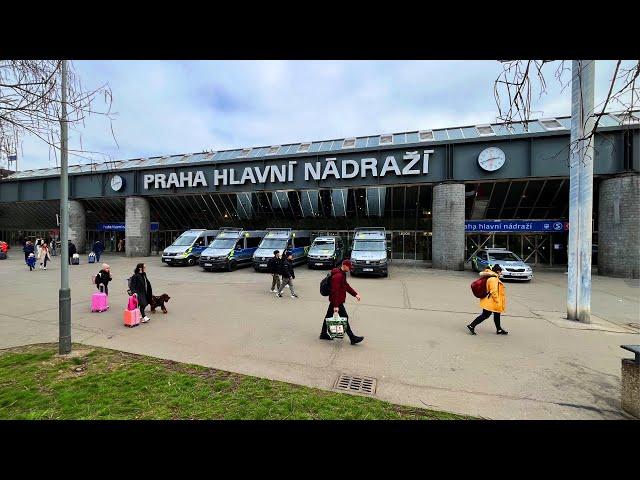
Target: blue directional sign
(506, 226)
(120, 227)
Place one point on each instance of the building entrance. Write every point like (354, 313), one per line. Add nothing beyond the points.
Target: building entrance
(534, 248)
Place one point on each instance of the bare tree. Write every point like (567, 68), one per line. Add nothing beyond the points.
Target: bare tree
(31, 104)
(514, 88)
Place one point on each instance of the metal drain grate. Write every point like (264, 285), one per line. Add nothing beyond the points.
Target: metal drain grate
(356, 384)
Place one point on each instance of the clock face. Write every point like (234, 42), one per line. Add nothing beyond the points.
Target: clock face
(491, 159)
(117, 183)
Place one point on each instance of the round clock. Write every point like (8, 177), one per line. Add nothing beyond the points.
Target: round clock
(117, 182)
(491, 159)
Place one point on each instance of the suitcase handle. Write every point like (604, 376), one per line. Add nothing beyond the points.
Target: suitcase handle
(101, 287)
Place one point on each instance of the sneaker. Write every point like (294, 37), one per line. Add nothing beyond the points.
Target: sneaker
(278, 295)
(355, 339)
(145, 319)
(324, 336)
(293, 295)
(44, 268)
(471, 329)
(502, 332)
(273, 290)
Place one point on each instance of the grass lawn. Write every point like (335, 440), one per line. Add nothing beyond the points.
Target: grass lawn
(97, 383)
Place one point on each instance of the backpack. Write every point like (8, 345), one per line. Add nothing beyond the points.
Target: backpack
(325, 286)
(479, 287)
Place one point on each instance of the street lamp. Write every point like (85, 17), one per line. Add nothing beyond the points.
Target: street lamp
(64, 294)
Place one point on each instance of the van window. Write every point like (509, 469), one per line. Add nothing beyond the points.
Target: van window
(200, 242)
(253, 242)
(303, 241)
(240, 244)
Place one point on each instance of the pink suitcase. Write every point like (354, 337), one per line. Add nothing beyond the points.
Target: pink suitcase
(99, 301)
(132, 317)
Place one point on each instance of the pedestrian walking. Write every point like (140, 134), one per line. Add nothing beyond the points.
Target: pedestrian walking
(98, 248)
(274, 265)
(287, 276)
(31, 261)
(113, 243)
(337, 297)
(28, 249)
(72, 250)
(37, 246)
(494, 302)
(44, 255)
(141, 286)
(103, 278)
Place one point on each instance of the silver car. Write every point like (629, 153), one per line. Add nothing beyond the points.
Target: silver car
(513, 267)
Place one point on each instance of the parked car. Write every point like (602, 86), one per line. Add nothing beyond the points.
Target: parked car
(513, 267)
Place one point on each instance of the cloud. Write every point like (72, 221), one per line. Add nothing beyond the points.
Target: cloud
(167, 107)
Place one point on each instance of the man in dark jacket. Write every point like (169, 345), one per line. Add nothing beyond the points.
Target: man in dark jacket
(274, 265)
(98, 248)
(287, 276)
(337, 297)
(72, 250)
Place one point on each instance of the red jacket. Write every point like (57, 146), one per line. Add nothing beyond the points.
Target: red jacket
(339, 288)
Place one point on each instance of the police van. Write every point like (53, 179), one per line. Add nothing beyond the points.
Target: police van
(186, 249)
(325, 252)
(369, 251)
(296, 242)
(232, 248)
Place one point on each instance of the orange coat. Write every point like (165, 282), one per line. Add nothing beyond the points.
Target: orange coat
(496, 301)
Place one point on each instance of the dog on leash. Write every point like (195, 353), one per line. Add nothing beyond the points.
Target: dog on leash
(158, 302)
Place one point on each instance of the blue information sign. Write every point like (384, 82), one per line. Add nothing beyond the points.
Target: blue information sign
(119, 227)
(534, 226)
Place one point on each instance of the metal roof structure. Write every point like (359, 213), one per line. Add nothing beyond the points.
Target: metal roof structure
(543, 126)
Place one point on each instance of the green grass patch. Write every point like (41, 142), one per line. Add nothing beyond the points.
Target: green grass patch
(97, 383)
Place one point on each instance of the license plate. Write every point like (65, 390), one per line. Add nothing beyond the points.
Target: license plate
(208, 264)
(367, 269)
(318, 264)
(263, 264)
(168, 259)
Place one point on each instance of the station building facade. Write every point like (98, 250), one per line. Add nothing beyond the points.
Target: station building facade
(441, 194)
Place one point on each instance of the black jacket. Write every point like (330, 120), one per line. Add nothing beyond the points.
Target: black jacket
(141, 285)
(274, 265)
(105, 278)
(72, 249)
(287, 269)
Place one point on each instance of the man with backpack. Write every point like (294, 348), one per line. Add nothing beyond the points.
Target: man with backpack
(338, 288)
(287, 276)
(273, 265)
(492, 298)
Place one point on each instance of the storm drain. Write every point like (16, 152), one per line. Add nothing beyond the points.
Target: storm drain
(356, 384)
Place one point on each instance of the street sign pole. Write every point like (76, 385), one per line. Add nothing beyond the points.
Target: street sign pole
(64, 294)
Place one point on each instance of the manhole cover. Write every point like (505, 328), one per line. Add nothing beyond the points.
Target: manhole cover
(356, 384)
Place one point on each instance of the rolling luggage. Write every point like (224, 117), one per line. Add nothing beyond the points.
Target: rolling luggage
(99, 301)
(92, 258)
(3, 256)
(75, 259)
(132, 315)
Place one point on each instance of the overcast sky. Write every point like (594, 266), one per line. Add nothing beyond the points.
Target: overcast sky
(170, 107)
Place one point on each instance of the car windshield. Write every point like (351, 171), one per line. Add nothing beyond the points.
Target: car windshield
(369, 245)
(503, 257)
(223, 243)
(322, 246)
(185, 240)
(274, 243)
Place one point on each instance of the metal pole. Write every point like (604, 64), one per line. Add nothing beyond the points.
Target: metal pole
(580, 192)
(64, 294)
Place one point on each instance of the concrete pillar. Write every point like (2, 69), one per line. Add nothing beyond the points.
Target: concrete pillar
(448, 226)
(77, 225)
(137, 236)
(631, 387)
(619, 227)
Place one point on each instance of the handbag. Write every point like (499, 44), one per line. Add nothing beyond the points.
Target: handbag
(336, 325)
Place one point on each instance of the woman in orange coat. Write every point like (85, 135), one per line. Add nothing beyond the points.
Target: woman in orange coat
(494, 302)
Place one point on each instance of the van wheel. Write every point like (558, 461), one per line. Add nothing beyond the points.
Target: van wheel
(385, 274)
(191, 261)
(232, 266)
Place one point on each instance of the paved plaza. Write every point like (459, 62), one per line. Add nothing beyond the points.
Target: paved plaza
(416, 343)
